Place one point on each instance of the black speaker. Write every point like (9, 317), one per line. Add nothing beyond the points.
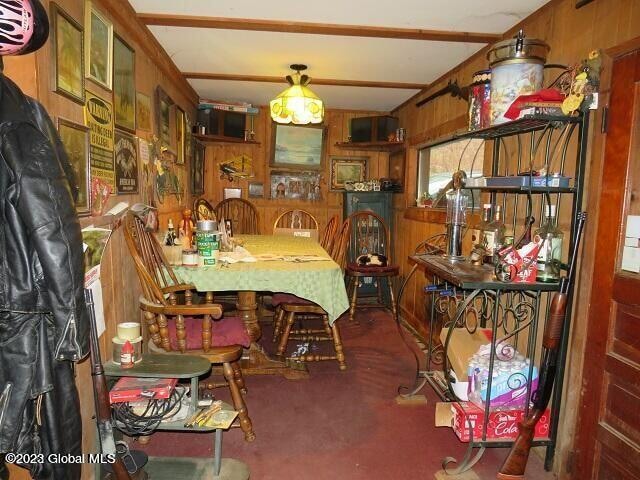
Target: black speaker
(373, 129)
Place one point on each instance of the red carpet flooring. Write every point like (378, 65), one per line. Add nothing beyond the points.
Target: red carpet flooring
(341, 425)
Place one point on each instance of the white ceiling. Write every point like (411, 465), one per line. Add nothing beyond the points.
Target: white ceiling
(331, 57)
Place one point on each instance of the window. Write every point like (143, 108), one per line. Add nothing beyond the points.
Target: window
(436, 166)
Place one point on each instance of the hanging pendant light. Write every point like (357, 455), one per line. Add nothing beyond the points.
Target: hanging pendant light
(297, 104)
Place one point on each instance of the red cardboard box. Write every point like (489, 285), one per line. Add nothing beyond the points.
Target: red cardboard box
(503, 424)
(133, 389)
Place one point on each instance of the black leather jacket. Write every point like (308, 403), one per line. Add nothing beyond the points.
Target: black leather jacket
(43, 318)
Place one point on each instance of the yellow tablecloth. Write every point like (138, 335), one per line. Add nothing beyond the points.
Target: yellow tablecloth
(321, 282)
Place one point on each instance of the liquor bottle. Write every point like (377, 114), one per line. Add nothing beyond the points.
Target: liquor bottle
(476, 232)
(550, 254)
(170, 237)
(494, 236)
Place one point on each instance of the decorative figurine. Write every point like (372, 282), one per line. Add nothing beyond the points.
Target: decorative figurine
(186, 229)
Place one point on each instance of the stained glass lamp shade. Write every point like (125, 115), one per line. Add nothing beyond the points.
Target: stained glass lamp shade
(297, 104)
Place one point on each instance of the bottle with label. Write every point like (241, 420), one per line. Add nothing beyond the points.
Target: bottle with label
(494, 235)
(550, 254)
(476, 232)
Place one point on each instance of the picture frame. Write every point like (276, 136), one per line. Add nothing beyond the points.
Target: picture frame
(124, 84)
(232, 193)
(396, 169)
(75, 138)
(143, 112)
(163, 109)
(197, 168)
(98, 41)
(256, 190)
(67, 40)
(180, 136)
(297, 146)
(126, 163)
(296, 185)
(347, 169)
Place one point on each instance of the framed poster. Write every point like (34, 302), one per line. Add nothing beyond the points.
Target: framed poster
(126, 160)
(75, 138)
(98, 40)
(68, 55)
(296, 146)
(347, 169)
(180, 136)
(296, 185)
(98, 116)
(143, 112)
(256, 189)
(197, 168)
(163, 117)
(124, 85)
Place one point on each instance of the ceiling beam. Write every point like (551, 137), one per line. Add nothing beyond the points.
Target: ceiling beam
(285, 26)
(314, 81)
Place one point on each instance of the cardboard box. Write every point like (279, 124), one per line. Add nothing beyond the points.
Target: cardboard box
(502, 424)
(462, 346)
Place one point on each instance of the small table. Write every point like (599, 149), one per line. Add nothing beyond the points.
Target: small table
(321, 282)
(182, 367)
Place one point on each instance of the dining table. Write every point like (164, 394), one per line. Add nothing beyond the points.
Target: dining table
(276, 264)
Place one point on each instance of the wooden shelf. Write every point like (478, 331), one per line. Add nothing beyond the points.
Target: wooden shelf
(372, 146)
(221, 139)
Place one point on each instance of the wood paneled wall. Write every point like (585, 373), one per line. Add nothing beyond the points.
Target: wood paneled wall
(571, 34)
(153, 67)
(336, 130)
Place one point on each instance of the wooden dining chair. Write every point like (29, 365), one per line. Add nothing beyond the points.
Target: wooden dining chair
(203, 210)
(296, 223)
(242, 213)
(289, 305)
(369, 235)
(176, 323)
(329, 232)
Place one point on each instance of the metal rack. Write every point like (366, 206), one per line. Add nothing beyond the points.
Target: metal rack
(465, 296)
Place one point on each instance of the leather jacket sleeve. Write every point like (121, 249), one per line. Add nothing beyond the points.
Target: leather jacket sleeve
(41, 197)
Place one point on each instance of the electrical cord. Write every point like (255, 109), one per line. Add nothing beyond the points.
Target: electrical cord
(133, 424)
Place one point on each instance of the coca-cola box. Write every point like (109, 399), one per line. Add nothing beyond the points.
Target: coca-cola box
(502, 424)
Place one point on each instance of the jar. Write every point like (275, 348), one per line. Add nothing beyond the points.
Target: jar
(480, 100)
(516, 69)
(207, 242)
(190, 257)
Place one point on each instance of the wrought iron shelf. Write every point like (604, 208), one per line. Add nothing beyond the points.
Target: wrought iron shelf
(372, 146)
(524, 189)
(526, 124)
(473, 277)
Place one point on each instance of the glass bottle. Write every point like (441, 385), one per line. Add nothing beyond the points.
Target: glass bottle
(170, 237)
(494, 235)
(476, 232)
(550, 253)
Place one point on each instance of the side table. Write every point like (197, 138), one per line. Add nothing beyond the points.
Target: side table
(182, 367)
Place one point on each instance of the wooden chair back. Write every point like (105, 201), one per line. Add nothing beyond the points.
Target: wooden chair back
(243, 215)
(152, 267)
(296, 223)
(341, 243)
(369, 234)
(329, 233)
(202, 210)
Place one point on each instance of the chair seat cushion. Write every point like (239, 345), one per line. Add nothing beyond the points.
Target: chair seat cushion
(224, 332)
(373, 269)
(289, 298)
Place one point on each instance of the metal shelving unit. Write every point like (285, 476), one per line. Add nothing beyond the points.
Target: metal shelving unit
(465, 296)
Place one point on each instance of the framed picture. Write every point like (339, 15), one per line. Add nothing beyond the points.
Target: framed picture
(396, 169)
(347, 169)
(180, 136)
(126, 160)
(232, 193)
(75, 138)
(296, 146)
(98, 40)
(197, 169)
(293, 185)
(256, 189)
(143, 112)
(68, 65)
(124, 85)
(163, 116)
